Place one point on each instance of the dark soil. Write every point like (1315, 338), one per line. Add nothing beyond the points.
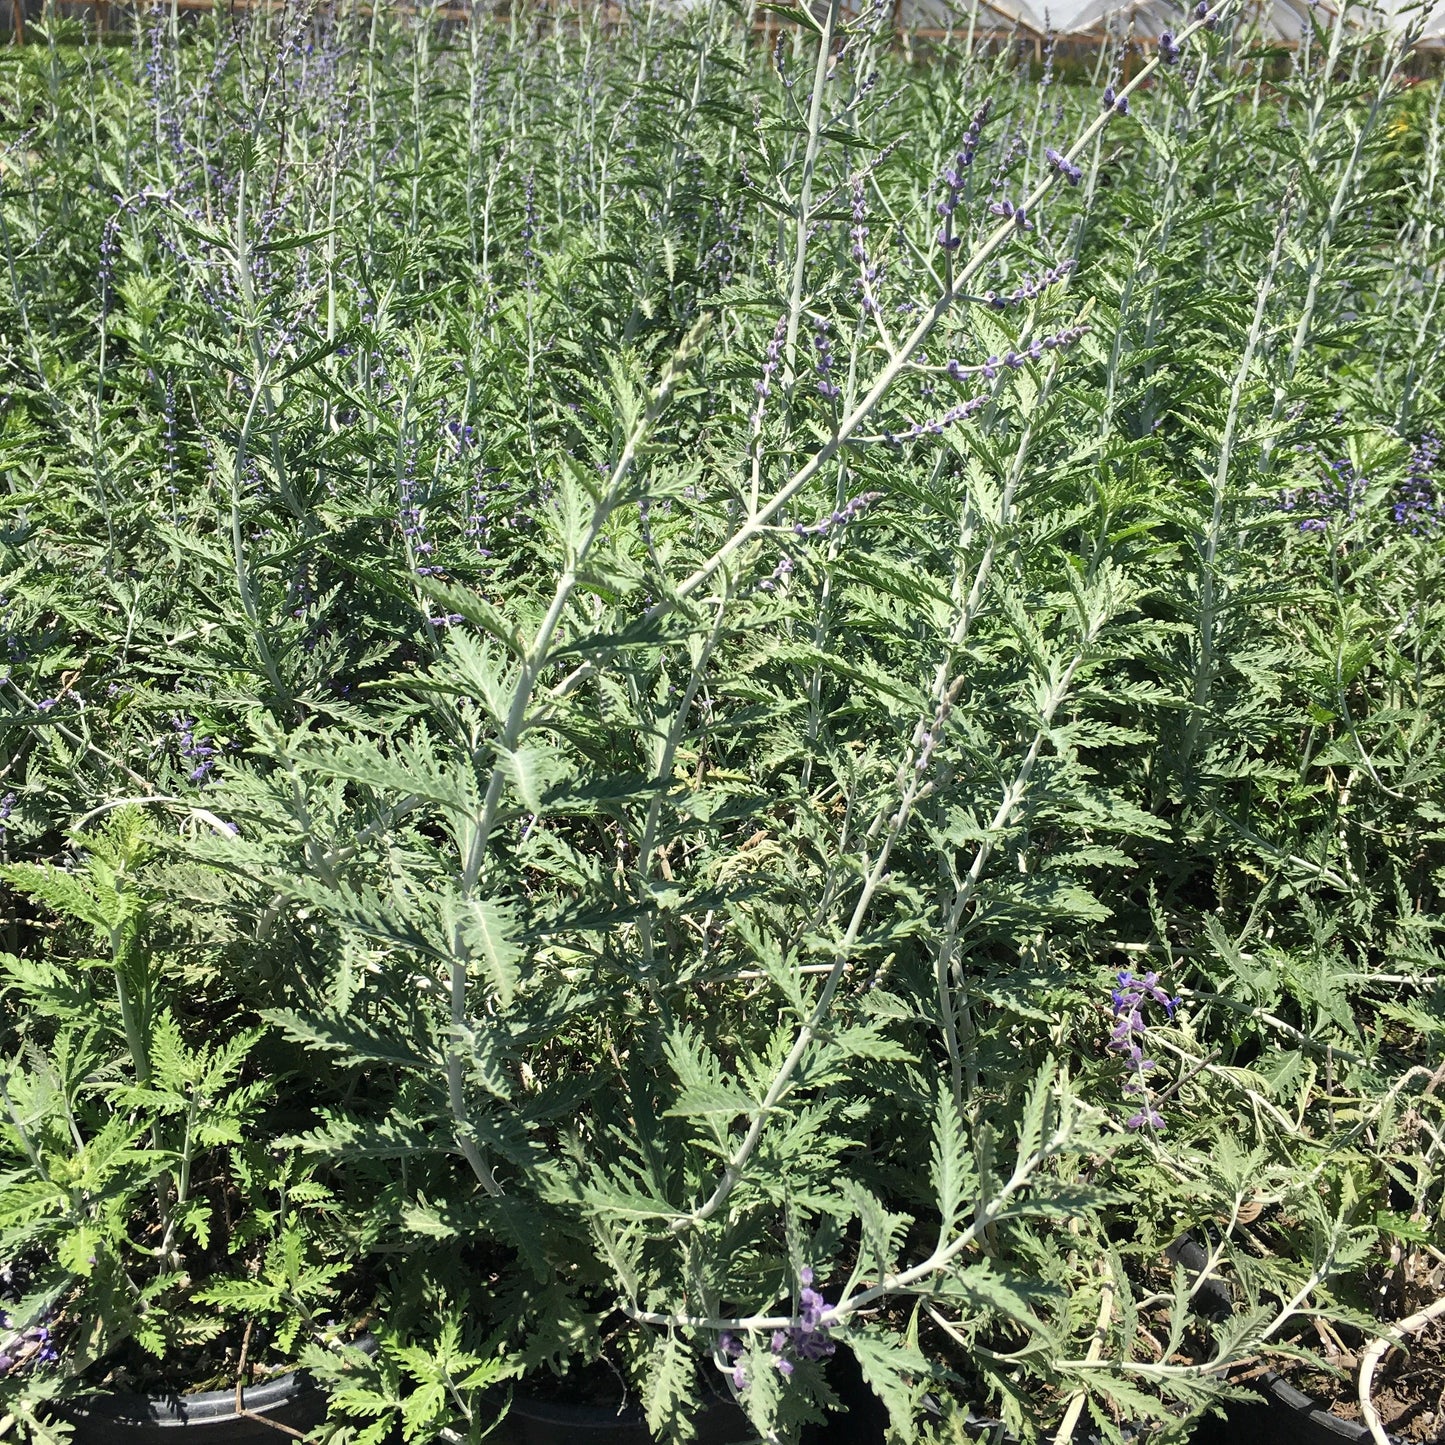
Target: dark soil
(1409, 1388)
(600, 1384)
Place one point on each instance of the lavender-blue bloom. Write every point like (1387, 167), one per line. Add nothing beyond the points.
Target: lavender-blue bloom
(780, 573)
(953, 176)
(1418, 505)
(28, 1348)
(1030, 287)
(731, 1348)
(853, 507)
(1145, 1117)
(1007, 209)
(201, 752)
(1338, 497)
(809, 1338)
(823, 344)
(1065, 167)
(1129, 1001)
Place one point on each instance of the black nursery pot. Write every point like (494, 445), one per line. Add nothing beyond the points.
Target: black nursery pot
(1284, 1415)
(208, 1417)
(533, 1421)
(1293, 1418)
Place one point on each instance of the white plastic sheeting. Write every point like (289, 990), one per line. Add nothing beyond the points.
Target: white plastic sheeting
(1279, 19)
(1397, 14)
(957, 15)
(1286, 20)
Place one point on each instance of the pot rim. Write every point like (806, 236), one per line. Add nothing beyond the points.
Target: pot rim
(1282, 1393)
(201, 1406)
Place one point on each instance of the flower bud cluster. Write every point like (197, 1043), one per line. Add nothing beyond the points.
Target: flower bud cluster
(1030, 288)
(954, 175)
(1339, 496)
(24, 1349)
(1129, 1000)
(530, 262)
(823, 345)
(859, 234)
(807, 1340)
(1418, 505)
(1119, 104)
(939, 425)
(780, 574)
(853, 507)
(870, 272)
(463, 435)
(1064, 166)
(201, 752)
(763, 386)
(413, 524)
(1015, 360)
(1007, 208)
(1169, 50)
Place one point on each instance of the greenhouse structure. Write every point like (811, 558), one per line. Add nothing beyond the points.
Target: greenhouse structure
(1283, 20)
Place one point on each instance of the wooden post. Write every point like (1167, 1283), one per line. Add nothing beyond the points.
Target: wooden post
(17, 10)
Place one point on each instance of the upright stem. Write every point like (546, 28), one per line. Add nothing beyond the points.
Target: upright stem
(475, 834)
(804, 213)
(1208, 601)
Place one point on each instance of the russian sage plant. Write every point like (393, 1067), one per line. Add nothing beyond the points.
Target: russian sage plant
(743, 618)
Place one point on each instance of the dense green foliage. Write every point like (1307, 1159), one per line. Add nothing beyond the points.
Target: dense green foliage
(614, 663)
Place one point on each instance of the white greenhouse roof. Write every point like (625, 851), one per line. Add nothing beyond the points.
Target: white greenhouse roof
(1279, 19)
(956, 15)
(1397, 14)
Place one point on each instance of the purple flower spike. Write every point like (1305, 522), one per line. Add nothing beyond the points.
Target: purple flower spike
(823, 344)
(1063, 166)
(809, 1338)
(1129, 1001)
(1418, 505)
